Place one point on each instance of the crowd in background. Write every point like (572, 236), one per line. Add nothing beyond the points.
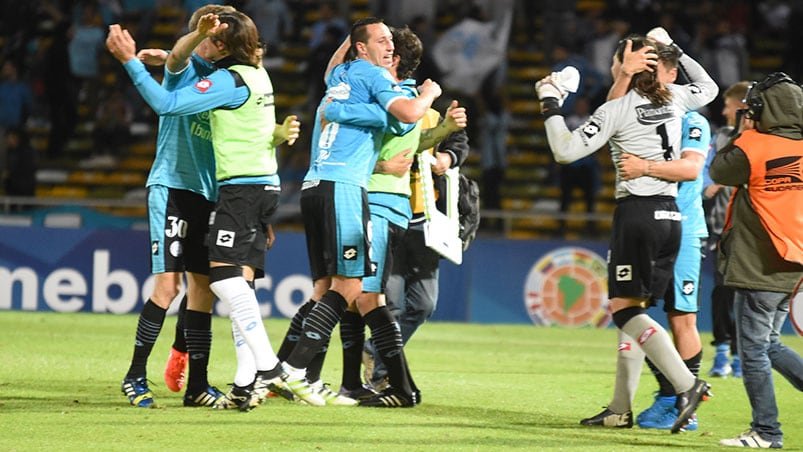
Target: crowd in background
(56, 73)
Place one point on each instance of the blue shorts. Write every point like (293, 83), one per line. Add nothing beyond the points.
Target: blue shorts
(684, 293)
(386, 237)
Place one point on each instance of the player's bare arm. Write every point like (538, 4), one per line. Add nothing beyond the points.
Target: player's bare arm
(454, 120)
(208, 26)
(398, 165)
(684, 169)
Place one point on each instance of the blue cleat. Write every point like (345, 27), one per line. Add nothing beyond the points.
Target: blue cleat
(736, 367)
(137, 391)
(658, 410)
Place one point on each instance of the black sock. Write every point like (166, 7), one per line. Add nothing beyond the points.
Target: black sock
(294, 331)
(352, 334)
(316, 363)
(387, 339)
(149, 325)
(665, 388)
(179, 343)
(199, 343)
(272, 373)
(317, 328)
(693, 363)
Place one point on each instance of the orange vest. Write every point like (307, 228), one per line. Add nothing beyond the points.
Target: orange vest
(429, 121)
(776, 189)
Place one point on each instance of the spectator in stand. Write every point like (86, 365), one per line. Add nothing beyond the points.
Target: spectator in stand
(16, 101)
(327, 17)
(495, 123)
(112, 130)
(20, 179)
(273, 20)
(86, 41)
(583, 174)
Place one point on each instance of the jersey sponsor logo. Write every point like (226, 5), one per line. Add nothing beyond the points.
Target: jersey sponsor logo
(624, 346)
(695, 133)
(649, 114)
(667, 215)
(341, 91)
(646, 335)
(225, 238)
(350, 253)
(155, 248)
(203, 85)
(569, 287)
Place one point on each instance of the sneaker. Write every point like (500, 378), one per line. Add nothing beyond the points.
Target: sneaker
(687, 403)
(265, 387)
(137, 391)
(751, 439)
(390, 398)
(176, 369)
(300, 387)
(660, 406)
(241, 398)
(363, 392)
(722, 367)
(608, 418)
(208, 397)
(736, 366)
(331, 397)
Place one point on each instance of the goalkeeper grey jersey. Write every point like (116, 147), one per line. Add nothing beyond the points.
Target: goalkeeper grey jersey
(634, 125)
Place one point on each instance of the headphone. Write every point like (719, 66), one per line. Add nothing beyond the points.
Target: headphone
(753, 99)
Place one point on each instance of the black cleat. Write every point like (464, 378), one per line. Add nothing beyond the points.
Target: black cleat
(687, 402)
(608, 418)
(390, 398)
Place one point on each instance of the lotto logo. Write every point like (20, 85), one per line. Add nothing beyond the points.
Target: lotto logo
(624, 273)
(225, 239)
(688, 287)
(350, 253)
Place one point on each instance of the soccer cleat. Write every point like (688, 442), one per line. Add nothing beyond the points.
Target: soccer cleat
(736, 367)
(667, 420)
(301, 388)
(608, 418)
(688, 401)
(331, 397)
(264, 387)
(721, 366)
(389, 398)
(241, 398)
(137, 391)
(658, 410)
(363, 392)
(175, 370)
(208, 397)
(751, 439)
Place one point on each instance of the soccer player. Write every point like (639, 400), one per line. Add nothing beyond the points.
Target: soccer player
(761, 252)
(389, 191)
(717, 198)
(181, 193)
(681, 301)
(239, 99)
(645, 122)
(334, 201)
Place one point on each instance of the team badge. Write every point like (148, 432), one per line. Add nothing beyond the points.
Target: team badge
(569, 287)
(203, 85)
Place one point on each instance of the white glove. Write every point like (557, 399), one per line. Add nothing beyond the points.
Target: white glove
(660, 35)
(558, 84)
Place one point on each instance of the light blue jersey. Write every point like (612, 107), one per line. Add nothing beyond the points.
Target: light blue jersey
(344, 152)
(696, 138)
(184, 157)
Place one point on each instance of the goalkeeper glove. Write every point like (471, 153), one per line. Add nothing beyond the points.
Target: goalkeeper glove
(558, 85)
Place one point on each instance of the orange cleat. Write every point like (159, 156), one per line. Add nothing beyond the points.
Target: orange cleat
(176, 370)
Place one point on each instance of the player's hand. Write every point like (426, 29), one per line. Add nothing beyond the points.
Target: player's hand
(631, 167)
(643, 59)
(398, 165)
(443, 161)
(210, 25)
(430, 87)
(153, 57)
(455, 118)
(290, 129)
(121, 44)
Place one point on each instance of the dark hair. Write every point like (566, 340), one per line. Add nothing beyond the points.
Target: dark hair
(645, 82)
(409, 49)
(240, 38)
(359, 31)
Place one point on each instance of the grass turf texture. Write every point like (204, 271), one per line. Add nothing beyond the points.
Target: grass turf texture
(485, 387)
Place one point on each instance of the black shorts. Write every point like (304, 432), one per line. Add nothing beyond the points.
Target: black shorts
(238, 226)
(644, 244)
(178, 222)
(337, 228)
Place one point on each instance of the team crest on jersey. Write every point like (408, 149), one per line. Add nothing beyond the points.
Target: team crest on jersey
(695, 133)
(350, 252)
(225, 238)
(203, 85)
(688, 287)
